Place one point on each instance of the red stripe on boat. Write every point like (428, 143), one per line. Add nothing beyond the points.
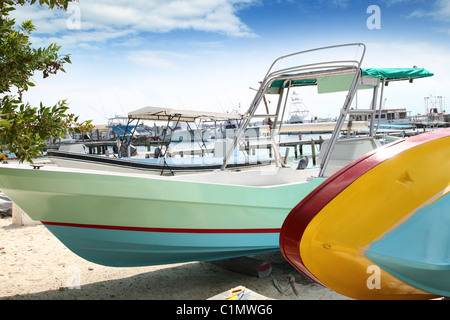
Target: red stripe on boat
(173, 230)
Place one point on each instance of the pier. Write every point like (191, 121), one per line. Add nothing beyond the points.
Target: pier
(249, 145)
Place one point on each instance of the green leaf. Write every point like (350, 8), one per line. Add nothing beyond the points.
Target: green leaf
(23, 128)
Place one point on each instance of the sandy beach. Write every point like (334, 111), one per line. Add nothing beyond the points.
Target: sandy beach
(36, 265)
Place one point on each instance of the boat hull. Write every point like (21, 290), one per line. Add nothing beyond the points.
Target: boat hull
(381, 223)
(124, 247)
(138, 219)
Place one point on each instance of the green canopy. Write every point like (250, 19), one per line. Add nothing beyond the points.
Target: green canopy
(396, 73)
(295, 83)
(340, 79)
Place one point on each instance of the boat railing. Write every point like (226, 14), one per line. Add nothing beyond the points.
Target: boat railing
(288, 76)
(316, 70)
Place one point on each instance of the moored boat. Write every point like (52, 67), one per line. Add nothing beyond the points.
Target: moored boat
(161, 161)
(152, 165)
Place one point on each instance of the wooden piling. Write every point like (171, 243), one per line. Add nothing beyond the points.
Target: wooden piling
(313, 151)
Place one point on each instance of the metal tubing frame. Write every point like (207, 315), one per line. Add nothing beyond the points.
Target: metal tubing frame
(278, 75)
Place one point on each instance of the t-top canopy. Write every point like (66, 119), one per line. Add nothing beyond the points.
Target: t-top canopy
(391, 74)
(396, 73)
(169, 114)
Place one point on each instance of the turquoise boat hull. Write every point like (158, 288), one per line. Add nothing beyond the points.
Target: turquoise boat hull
(124, 248)
(425, 262)
(117, 219)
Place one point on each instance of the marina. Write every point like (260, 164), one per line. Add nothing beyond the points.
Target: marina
(188, 151)
(214, 158)
(200, 143)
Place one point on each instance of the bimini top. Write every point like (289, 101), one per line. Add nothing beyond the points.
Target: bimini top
(169, 114)
(314, 78)
(393, 74)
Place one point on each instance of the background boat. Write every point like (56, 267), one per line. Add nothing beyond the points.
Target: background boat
(298, 112)
(160, 160)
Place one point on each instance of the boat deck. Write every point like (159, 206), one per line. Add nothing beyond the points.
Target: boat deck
(270, 176)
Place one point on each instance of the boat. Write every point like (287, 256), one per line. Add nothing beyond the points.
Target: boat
(299, 113)
(392, 118)
(182, 133)
(379, 227)
(154, 165)
(117, 127)
(435, 116)
(135, 219)
(161, 161)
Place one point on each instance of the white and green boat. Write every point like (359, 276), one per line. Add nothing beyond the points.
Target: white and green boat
(135, 219)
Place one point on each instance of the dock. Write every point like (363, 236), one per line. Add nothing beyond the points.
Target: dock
(99, 147)
(250, 145)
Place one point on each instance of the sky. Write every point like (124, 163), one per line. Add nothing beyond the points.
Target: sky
(208, 54)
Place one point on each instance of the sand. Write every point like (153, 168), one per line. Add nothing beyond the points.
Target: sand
(36, 265)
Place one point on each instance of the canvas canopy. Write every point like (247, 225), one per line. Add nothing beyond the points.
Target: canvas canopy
(169, 114)
(340, 79)
(393, 74)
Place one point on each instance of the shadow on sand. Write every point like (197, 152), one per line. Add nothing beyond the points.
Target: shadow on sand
(192, 281)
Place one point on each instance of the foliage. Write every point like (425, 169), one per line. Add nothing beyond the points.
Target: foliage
(30, 127)
(23, 128)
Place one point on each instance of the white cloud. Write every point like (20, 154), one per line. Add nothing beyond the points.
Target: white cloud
(390, 3)
(127, 17)
(340, 3)
(440, 11)
(98, 88)
(156, 16)
(155, 59)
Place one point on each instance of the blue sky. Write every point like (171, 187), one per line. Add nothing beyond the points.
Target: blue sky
(205, 54)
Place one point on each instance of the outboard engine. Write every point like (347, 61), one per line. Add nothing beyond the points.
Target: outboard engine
(302, 163)
(123, 152)
(157, 153)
